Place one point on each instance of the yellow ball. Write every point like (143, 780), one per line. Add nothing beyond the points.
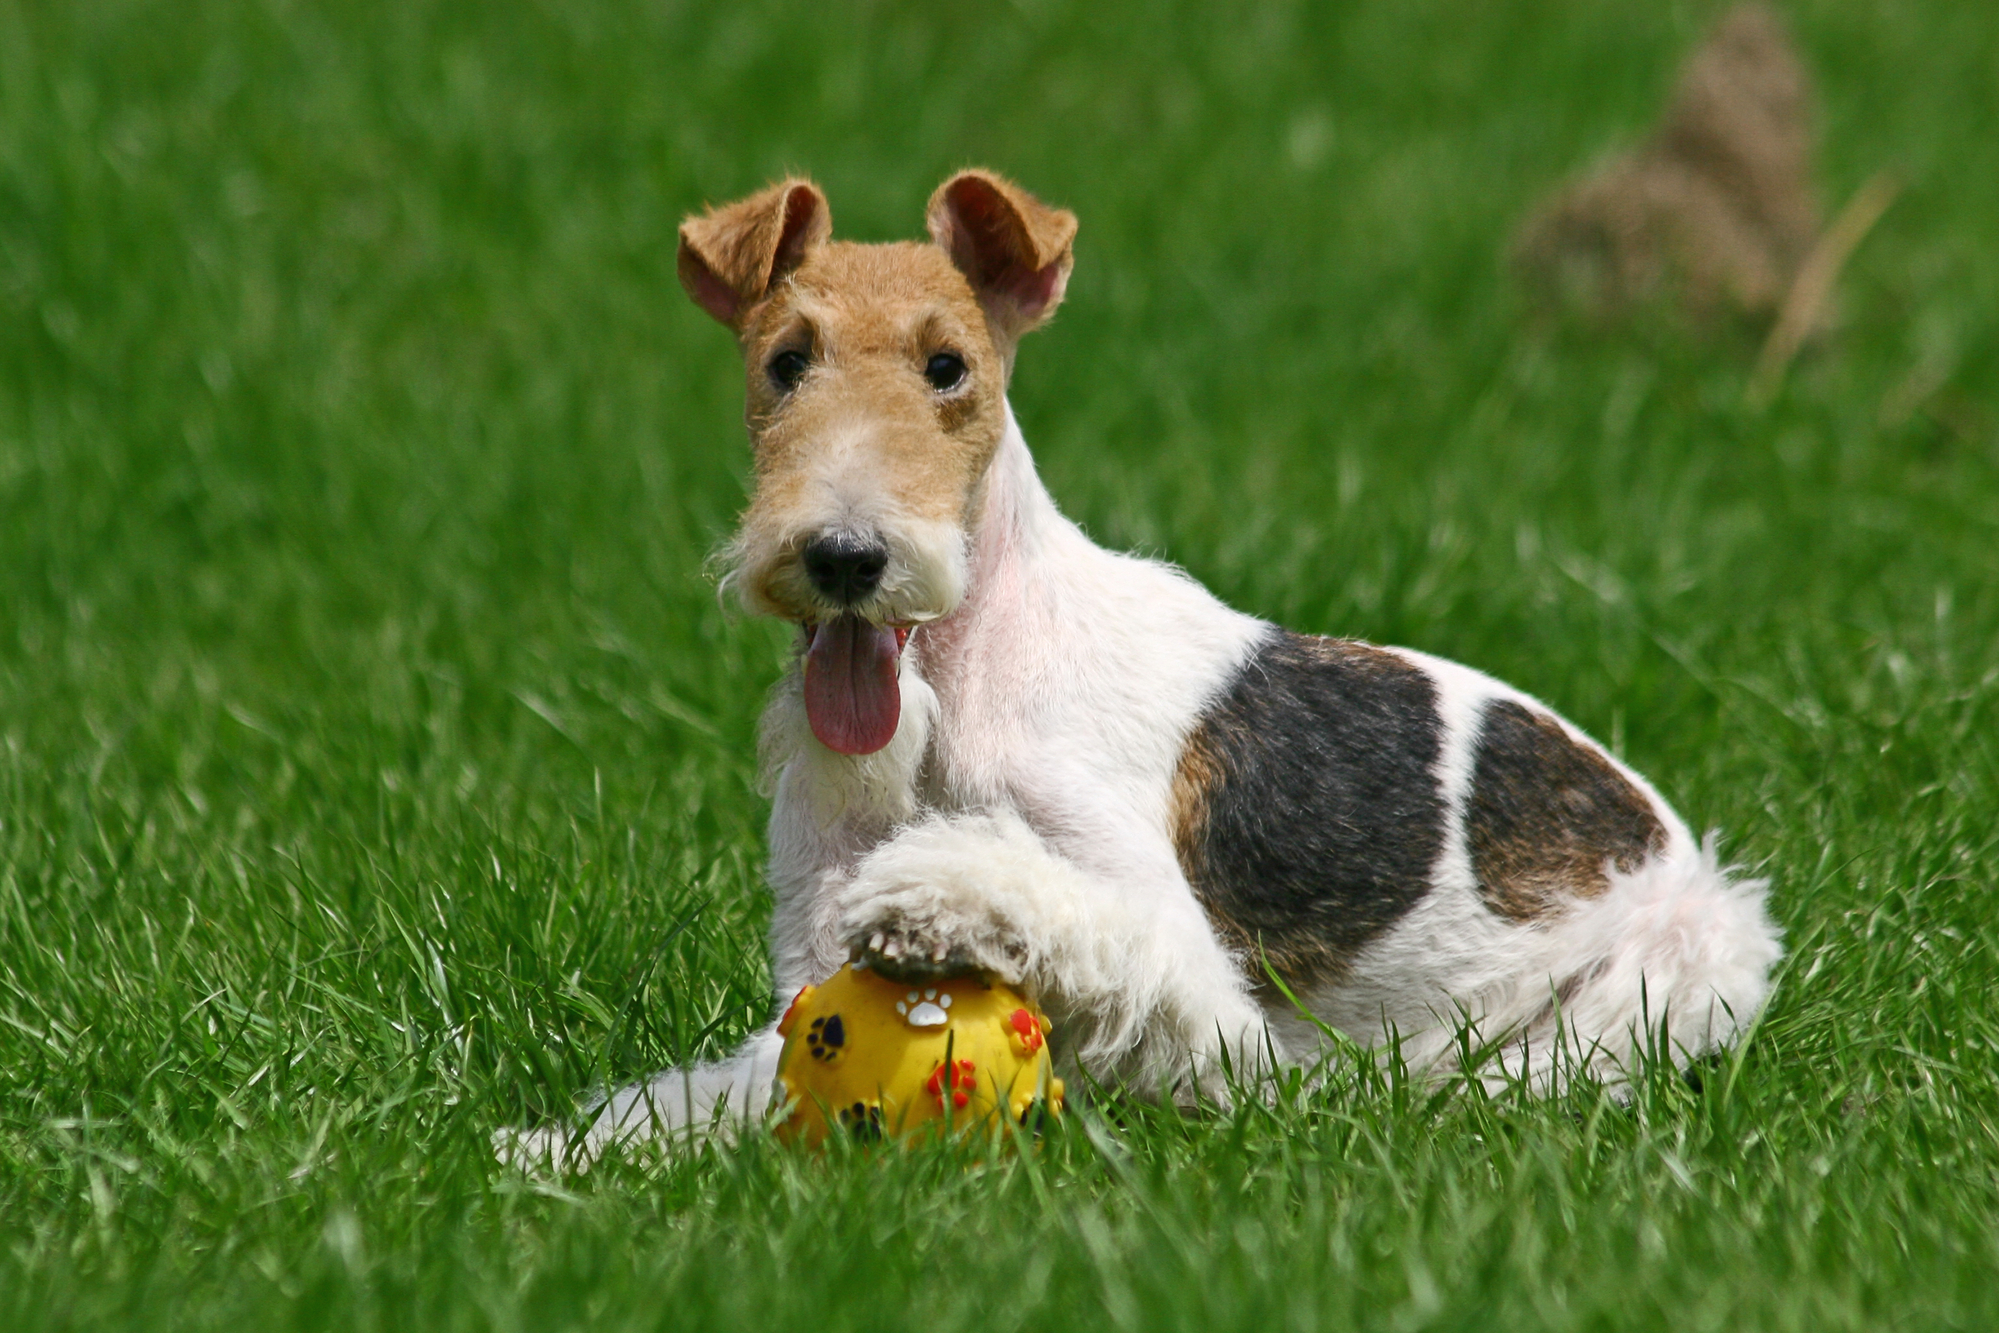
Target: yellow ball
(878, 1057)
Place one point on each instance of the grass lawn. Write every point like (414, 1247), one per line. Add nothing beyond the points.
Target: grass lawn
(376, 765)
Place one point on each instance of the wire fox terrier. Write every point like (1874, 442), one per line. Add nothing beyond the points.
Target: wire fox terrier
(1006, 748)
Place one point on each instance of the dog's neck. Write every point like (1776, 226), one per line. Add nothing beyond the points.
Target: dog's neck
(1017, 531)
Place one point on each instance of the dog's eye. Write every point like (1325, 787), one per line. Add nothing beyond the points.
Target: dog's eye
(786, 369)
(946, 370)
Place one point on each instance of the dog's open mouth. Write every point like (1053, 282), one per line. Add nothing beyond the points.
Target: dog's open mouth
(852, 697)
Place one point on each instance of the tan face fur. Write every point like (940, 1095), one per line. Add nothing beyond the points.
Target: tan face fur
(863, 443)
(875, 383)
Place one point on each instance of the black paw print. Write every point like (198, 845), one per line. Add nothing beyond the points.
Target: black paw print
(826, 1038)
(863, 1121)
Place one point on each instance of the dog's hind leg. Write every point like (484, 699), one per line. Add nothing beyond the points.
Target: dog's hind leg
(721, 1096)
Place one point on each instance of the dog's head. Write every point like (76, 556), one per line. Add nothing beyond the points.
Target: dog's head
(876, 401)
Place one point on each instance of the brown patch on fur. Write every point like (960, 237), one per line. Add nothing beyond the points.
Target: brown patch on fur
(1364, 657)
(1715, 212)
(1548, 813)
(1198, 773)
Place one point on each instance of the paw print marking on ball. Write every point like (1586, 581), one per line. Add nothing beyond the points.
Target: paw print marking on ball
(925, 1010)
(958, 1079)
(826, 1038)
(863, 1120)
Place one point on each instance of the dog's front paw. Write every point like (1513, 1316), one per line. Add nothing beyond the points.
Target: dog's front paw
(932, 905)
(903, 954)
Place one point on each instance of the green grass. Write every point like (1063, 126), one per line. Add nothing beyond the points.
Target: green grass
(376, 765)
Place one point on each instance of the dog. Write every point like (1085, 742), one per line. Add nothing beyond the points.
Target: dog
(1004, 748)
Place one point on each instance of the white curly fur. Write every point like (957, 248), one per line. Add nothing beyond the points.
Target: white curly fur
(1680, 947)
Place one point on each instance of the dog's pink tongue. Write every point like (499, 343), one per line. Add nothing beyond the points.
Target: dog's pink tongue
(851, 695)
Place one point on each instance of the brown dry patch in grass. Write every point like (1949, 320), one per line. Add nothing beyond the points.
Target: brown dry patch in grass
(1714, 213)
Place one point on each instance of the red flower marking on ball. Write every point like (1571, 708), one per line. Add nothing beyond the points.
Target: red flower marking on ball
(1027, 1038)
(791, 1011)
(960, 1079)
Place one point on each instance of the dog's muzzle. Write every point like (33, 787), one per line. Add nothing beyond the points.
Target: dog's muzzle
(853, 694)
(844, 568)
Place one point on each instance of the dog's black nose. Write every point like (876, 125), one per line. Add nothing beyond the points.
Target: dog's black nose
(845, 568)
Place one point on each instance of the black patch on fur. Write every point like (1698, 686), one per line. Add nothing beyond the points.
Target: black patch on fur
(1548, 813)
(1307, 814)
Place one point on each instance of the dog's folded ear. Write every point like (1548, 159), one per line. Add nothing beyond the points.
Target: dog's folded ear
(730, 257)
(1015, 250)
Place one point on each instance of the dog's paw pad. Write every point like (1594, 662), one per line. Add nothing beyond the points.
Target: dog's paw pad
(898, 959)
